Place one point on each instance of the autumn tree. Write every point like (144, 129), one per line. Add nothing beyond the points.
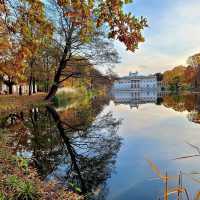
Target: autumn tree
(36, 31)
(180, 76)
(80, 29)
(13, 52)
(24, 30)
(189, 74)
(44, 66)
(78, 24)
(175, 78)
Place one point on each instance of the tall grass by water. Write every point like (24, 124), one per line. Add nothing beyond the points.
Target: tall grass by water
(179, 191)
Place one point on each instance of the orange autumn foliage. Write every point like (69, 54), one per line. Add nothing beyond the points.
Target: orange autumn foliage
(87, 15)
(185, 75)
(21, 27)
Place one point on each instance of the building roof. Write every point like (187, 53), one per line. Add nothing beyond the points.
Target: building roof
(139, 77)
(136, 76)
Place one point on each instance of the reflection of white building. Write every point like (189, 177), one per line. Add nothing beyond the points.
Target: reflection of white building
(134, 98)
(136, 82)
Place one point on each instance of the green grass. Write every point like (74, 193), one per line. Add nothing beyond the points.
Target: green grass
(2, 196)
(23, 190)
(61, 99)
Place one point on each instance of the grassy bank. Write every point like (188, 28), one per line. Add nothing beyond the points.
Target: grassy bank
(11, 103)
(79, 96)
(19, 180)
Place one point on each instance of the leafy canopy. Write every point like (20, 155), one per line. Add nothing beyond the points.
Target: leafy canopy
(90, 14)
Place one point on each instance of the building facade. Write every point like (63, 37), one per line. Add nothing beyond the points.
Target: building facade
(136, 82)
(20, 88)
(15, 89)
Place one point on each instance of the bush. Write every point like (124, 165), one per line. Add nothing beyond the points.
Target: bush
(2, 197)
(23, 190)
(61, 99)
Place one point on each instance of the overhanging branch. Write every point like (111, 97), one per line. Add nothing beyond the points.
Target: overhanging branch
(75, 74)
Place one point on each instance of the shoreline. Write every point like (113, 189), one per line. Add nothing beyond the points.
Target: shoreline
(14, 103)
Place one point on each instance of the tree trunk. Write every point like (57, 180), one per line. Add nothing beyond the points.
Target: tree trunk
(65, 58)
(30, 86)
(70, 149)
(34, 85)
(55, 85)
(20, 90)
(10, 84)
(31, 77)
(47, 85)
(10, 88)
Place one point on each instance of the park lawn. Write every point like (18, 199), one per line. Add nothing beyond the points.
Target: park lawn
(13, 103)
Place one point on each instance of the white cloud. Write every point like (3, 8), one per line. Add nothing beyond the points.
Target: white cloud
(169, 40)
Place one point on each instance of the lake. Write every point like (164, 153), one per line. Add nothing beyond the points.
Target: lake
(108, 148)
(159, 133)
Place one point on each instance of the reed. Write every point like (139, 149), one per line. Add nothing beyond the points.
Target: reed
(179, 192)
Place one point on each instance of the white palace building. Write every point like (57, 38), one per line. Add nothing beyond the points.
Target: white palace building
(136, 82)
(136, 89)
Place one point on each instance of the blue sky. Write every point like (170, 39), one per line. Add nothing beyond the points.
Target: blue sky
(172, 36)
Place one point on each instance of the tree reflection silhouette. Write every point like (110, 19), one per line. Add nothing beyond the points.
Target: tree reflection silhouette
(81, 156)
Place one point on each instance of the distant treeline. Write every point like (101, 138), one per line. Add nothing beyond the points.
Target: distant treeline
(180, 78)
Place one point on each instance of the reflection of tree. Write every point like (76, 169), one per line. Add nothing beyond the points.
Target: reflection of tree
(45, 141)
(92, 151)
(179, 103)
(80, 155)
(189, 102)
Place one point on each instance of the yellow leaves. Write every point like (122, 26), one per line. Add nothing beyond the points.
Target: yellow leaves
(15, 63)
(184, 74)
(25, 30)
(80, 14)
(22, 36)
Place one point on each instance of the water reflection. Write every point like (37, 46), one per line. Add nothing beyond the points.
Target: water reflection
(76, 147)
(179, 102)
(136, 98)
(80, 146)
(188, 102)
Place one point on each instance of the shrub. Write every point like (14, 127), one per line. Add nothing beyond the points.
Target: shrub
(2, 197)
(22, 190)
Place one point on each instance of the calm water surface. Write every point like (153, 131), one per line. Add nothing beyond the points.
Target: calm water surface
(157, 133)
(110, 142)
